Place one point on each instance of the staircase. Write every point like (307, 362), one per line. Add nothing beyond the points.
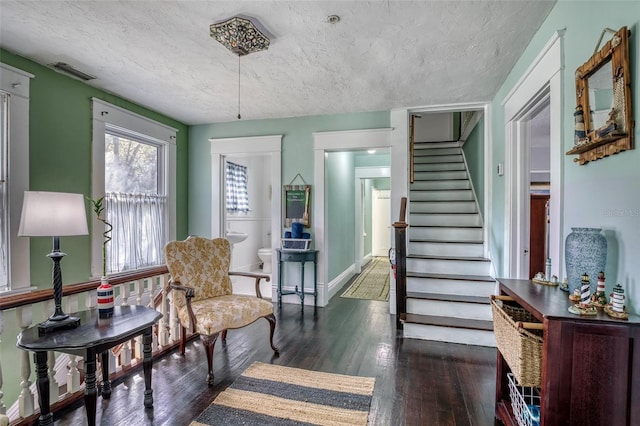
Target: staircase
(448, 278)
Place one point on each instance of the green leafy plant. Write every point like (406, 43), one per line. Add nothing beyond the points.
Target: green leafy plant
(98, 209)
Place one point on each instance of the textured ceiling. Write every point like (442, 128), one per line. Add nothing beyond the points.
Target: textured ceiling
(381, 55)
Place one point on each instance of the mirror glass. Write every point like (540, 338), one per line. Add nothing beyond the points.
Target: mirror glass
(600, 95)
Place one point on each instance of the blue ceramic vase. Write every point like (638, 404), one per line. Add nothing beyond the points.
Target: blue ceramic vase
(585, 252)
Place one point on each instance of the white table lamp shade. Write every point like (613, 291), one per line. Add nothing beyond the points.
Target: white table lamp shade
(52, 214)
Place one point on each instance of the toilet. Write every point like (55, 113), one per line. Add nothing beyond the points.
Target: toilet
(265, 256)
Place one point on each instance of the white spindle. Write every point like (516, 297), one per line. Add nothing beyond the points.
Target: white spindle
(125, 292)
(26, 398)
(73, 376)
(163, 333)
(139, 286)
(54, 389)
(125, 354)
(174, 321)
(91, 299)
(73, 304)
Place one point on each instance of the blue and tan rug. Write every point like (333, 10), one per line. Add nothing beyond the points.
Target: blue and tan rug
(372, 283)
(267, 394)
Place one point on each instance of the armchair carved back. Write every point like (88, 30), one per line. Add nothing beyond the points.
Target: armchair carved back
(201, 264)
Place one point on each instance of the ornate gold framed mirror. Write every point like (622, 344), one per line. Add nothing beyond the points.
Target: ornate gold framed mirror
(603, 118)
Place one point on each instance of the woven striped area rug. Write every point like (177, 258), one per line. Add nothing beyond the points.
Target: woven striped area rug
(372, 283)
(267, 394)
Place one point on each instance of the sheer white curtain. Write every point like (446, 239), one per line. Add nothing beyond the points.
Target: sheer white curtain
(138, 234)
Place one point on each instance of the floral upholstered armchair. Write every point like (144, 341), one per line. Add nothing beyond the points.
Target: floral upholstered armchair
(203, 296)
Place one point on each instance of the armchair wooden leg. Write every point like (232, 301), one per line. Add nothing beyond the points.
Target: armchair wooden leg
(183, 340)
(224, 335)
(209, 343)
(272, 323)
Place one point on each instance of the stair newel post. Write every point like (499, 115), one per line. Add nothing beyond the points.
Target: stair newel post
(401, 263)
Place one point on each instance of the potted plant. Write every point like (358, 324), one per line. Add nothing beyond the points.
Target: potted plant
(105, 291)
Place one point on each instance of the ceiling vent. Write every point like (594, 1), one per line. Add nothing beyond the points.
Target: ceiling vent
(71, 71)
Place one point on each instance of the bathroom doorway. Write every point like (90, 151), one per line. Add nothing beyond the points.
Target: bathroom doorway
(261, 155)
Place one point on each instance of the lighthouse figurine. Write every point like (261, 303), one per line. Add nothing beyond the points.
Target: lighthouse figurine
(599, 299)
(584, 307)
(616, 308)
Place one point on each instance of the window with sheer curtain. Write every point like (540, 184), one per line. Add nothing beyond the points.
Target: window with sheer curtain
(236, 187)
(134, 170)
(134, 202)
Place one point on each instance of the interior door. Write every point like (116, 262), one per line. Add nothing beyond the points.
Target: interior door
(381, 222)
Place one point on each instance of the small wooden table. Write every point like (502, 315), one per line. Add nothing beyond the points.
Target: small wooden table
(94, 336)
(302, 257)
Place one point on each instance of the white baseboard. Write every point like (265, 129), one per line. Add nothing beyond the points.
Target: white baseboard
(338, 282)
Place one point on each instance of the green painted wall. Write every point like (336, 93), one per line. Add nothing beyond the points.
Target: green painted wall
(603, 194)
(367, 219)
(60, 157)
(297, 157)
(340, 212)
(60, 160)
(474, 153)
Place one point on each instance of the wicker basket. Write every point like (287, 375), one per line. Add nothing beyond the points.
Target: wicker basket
(519, 338)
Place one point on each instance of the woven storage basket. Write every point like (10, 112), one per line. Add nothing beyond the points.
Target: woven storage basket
(520, 348)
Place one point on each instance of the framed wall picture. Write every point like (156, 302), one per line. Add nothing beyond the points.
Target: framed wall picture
(296, 204)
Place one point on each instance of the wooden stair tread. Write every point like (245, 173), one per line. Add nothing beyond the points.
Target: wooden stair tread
(484, 300)
(483, 278)
(468, 323)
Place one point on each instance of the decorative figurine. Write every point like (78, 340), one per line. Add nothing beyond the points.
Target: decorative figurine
(564, 286)
(599, 299)
(616, 308)
(584, 307)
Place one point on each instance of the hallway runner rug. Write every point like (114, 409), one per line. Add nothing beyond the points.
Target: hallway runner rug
(267, 394)
(372, 283)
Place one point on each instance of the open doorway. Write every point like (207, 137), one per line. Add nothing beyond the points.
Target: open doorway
(539, 197)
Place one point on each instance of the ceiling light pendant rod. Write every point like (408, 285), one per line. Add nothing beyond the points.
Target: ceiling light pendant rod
(239, 117)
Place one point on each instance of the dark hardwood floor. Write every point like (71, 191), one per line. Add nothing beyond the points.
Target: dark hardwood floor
(417, 382)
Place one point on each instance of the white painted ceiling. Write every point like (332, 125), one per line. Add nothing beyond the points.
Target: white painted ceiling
(381, 55)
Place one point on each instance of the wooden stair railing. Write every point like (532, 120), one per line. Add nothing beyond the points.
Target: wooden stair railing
(400, 228)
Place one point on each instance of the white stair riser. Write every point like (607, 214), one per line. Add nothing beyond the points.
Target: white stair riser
(422, 159)
(471, 219)
(440, 308)
(453, 195)
(446, 249)
(445, 234)
(441, 184)
(449, 335)
(443, 207)
(450, 287)
(425, 149)
(440, 175)
(435, 167)
(448, 266)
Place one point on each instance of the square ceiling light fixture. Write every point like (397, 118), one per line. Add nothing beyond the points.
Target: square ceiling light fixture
(241, 37)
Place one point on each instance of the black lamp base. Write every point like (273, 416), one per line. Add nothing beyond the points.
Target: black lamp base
(55, 324)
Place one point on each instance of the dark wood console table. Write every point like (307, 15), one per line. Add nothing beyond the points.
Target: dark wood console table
(302, 257)
(94, 336)
(590, 365)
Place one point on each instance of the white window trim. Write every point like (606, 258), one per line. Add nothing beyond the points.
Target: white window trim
(16, 82)
(104, 113)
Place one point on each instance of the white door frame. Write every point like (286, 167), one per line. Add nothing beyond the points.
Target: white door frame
(270, 146)
(544, 74)
(361, 174)
(350, 140)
